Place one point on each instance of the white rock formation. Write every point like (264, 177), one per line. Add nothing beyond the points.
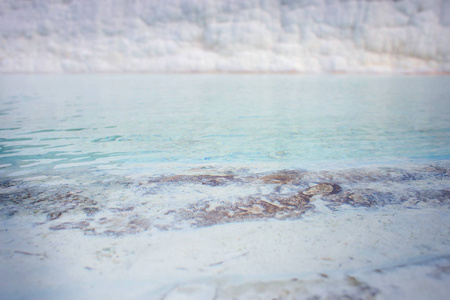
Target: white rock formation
(224, 36)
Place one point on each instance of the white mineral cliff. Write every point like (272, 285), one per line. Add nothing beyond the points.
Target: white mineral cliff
(224, 36)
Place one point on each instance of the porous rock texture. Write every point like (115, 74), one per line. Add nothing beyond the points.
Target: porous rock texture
(225, 36)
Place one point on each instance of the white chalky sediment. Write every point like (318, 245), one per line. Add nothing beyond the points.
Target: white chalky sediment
(225, 36)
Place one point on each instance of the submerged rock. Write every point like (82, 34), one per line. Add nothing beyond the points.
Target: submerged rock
(176, 201)
(323, 189)
(282, 177)
(294, 200)
(211, 180)
(358, 199)
(354, 198)
(251, 208)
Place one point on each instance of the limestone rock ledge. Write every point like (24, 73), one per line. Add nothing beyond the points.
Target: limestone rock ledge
(225, 36)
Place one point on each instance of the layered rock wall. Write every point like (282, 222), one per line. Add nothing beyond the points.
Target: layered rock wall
(224, 36)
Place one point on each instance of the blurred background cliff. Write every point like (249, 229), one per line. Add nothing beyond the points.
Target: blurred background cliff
(224, 36)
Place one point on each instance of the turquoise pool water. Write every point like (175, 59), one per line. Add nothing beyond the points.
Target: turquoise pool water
(52, 121)
(167, 186)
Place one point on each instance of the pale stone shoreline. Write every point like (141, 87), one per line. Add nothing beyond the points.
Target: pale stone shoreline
(228, 233)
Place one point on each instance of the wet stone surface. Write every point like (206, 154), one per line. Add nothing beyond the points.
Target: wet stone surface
(283, 177)
(210, 180)
(323, 189)
(114, 205)
(53, 203)
(252, 208)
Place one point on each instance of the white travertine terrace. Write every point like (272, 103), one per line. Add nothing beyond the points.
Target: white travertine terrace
(225, 36)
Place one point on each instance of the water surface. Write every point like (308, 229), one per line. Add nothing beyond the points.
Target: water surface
(53, 121)
(224, 186)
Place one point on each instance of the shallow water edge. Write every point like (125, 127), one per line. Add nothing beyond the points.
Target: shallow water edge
(226, 231)
(116, 204)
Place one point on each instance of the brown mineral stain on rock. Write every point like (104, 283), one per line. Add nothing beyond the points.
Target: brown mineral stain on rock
(54, 216)
(121, 209)
(255, 209)
(251, 208)
(211, 180)
(70, 225)
(358, 199)
(294, 200)
(282, 177)
(352, 198)
(323, 189)
(138, 224)
(90, 211)
(353, 280)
